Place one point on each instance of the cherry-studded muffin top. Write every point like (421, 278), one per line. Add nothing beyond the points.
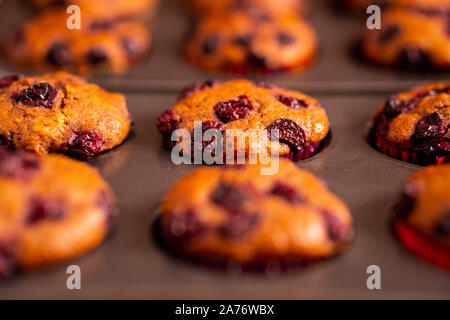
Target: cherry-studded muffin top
(235, 212)
(241, 42)
(242, 104)
(59, 112)
(425, 203)
(51, 208)
(206, 6)
(411, 40)
(104, 44)
(418, 119)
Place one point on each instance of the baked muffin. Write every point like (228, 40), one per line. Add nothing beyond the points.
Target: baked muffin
(61, 113)
(101, 46)
(301, 123)
(422, 220)
(115, 8)
(235, 216)
(411, 40)
(414, 126)
(242, 42)
(200, 7)
(51, 209)
(362, 5)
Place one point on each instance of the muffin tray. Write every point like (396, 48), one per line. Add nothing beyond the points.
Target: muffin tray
(130, 264)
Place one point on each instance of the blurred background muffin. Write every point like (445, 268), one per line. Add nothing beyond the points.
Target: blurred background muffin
(200, 7)
(257, 41)
(117, 8)
(409, 39)
(102, 46)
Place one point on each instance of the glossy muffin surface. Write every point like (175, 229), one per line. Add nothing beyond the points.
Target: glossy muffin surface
(61, 113)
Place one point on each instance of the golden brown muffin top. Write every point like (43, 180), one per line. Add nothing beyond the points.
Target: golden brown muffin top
(244, 105)
(102, 45)
(247, 217)
(207, 6)
(110, 8)
(243, 42)
(51, 112)
(410, 40)
(51, 208)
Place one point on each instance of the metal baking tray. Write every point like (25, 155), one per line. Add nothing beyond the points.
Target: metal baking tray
(165, 70)
(131, 265)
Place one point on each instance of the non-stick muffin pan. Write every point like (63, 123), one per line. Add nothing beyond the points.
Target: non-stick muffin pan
(131, 264)
(165, 69)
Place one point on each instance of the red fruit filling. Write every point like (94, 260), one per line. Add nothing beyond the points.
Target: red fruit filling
(291, 102)
(38, 95)
(289, 133)
(238, 226)
(17, 165)
(167, 122)
(414, 59)
(287, 192)
(195, 87)
(44, 210)
(232, 110)
(185, 225)
(229, 197)
(8, 80)
(59, 55)
(285, 38)
(96, 56)
(389, 33)
(83, 145)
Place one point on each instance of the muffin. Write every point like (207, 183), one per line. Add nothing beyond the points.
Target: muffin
(235, 217)
(409, 40)
(115, 8)
(101, 46)
(362, 5)
(61, 113)
(302, 124)
(422, 219)
(201, 7)
(51, 209)
(414, 126)
(242, 42)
